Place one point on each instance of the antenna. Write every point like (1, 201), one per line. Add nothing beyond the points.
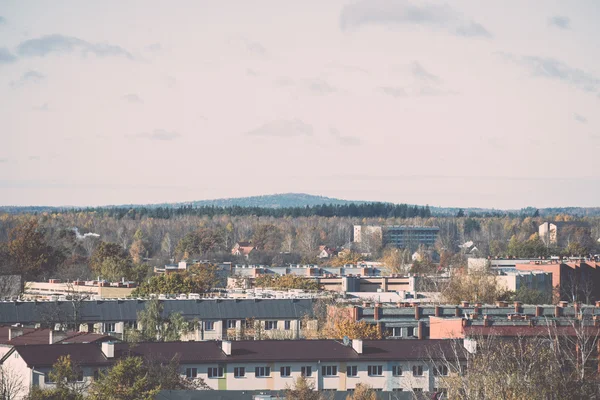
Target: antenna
(346, 341)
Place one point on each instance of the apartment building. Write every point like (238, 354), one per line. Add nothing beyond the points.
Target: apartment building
(260, 365)
(216, 318)
(401, 236)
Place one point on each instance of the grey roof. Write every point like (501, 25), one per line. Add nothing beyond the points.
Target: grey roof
(126, 310)
(264, 394)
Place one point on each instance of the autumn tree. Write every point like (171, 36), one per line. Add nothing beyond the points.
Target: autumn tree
(362, 391)
(138, 248)
(154, 327)
(128, 379)
(336, 322)
(197, 279)
(396, 261)
(302, 389)
(285, 282)
(68, 382)
(111, 262)
(199, 242)
(267, 237)
(29, 253)
(476, 286)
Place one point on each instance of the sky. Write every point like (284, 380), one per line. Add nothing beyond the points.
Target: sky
(459, 103)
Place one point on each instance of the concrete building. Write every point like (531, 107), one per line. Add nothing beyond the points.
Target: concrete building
(259, 365)
(401, 236)
(216, 318)
(54, 289)
(534, 280)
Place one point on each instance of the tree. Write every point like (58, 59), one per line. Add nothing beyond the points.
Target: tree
(156, 328)
(197, 279)
(267, 238)
(396, 261)
(11, 384)
(302, 389)
(168, 375)
(138, 249)
(128, 379)
(29, 252)
(284, 282)
(476, 286)
(111, 262)
(363, 391)
(68, 384)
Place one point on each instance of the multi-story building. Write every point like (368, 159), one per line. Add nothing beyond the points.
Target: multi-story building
(255, 365)
(401, 236)
(215, 318)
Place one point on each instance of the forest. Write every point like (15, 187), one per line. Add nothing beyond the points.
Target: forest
(126, 243)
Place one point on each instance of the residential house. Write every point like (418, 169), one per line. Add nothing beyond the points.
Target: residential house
(242, 249)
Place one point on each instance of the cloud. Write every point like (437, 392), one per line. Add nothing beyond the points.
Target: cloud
(56, 43)
(394, 91)
(560, 21)
(554, 69)
(44, 107)
(344, 140)
(154, 47)
(6, 56)
(580, 118)
(28, 77)
(422, 74)
(158, 134)
(133, 98)
(473, 29)
(283, 128)
(319, 86)
(404, 12)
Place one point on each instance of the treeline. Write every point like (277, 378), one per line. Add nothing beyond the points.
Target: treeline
(366, 210)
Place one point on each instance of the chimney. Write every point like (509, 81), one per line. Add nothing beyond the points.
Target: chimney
(417, 312)
(486, 320)
(377, 311)
(226, 347)
(108, 348)
(598, 304)
(465, 304)
(563, 304)
(501, 304)
(356, 313)
(517, 307)
(539, 311)
(438, 311)
(475, 312)
(57, 336)
(457, 311)
(357, 345)
(576, 306)
(421, 330)
(557, 311)
(14, 332)
(470, 345)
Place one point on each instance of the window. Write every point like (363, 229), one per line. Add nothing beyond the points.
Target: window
(418, 390)
(215, 372)
(397, 370)
(306, 371)
(417, 370)
(287, 325)
(47, 378)
(397, 332)
(239, 372)
(96, 374)
(80, 376)
(231, 323)
(270, 325)
(375, 370)
(329, 370)
(132, 324)
(410, 331)
(191, 373)
(397, 390)
(352, 370)
(463, 369)
(209, 325)
(262, 372)
(108, 327)
(440, 370)
(286, 371)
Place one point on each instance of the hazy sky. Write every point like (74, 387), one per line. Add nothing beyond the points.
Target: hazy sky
(464, 103)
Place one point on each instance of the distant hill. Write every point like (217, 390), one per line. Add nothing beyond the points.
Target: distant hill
(291, 200)
(283, 200)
